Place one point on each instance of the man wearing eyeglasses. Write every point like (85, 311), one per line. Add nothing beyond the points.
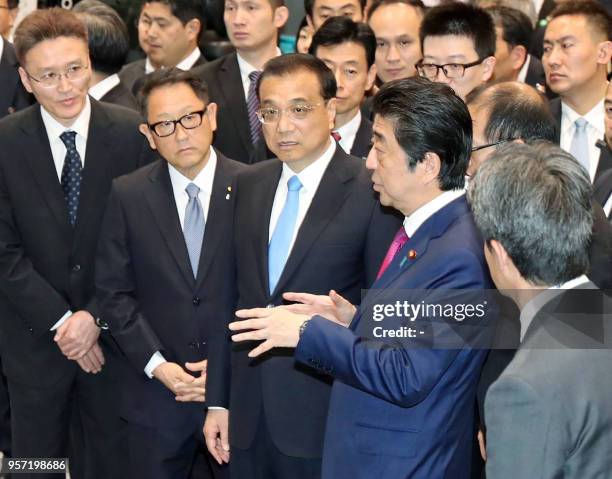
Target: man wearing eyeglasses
(309, 221)
(165, 276)
(458, 46)
(58, 160)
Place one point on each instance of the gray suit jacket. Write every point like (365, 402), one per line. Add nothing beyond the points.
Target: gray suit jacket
(549, 415)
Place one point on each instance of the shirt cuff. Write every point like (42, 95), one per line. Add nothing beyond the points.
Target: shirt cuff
(61, 321)
(155, 361)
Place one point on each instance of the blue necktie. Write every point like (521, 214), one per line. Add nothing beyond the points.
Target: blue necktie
(253, 106)
(278, 250)
(71, 175)
(193, 229)
(580, 143)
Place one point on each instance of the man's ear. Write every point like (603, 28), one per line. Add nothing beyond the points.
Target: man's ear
(281, 15)
(488, 67)
(144, 129)
(502, 258)
(25, 79)
(430, 167)
(519, 56)
(604, 52)
(211, 113)
(193, 27)
(371, 77)
(331, 112)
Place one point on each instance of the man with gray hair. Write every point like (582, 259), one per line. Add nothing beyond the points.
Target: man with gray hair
(532, 204)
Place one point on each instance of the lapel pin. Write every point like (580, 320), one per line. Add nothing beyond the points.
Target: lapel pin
(229, 190)
(410, 255)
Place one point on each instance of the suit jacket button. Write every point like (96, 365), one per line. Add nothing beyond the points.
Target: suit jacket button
(196, 301)
(193, 344)
(76, 267)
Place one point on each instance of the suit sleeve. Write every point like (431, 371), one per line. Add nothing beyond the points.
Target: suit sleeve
(518, 439)
(115, 287)
(394, 370)
(30, 295)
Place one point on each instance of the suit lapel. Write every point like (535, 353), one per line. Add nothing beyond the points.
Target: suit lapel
(219, 212)
(555, 110)
(328, 199)
(40, 161)
(161, 202)
(605, 160)
(363, 138)
(231, 85)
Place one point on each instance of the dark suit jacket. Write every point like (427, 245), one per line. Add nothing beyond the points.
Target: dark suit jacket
(120, 95)
(139, 81)
(602, 189)
(46, 266)
(363, 138)
(13, 95)
(340, 245)
(405, 408)
(147, 291)
(605, 159)
(233, 135)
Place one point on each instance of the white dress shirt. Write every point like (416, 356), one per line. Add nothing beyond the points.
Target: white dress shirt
(1, 46)
(608, 206)
(204, 181)
(245, 70)
(413, 222)
(185, 64)
(58, 151)
(533, 306)
(348, 132)
(522, 76)
(103, 87)
(595, 131)
(310, 177)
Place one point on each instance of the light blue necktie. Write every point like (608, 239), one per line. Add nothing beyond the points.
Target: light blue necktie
(278, 250)
(193, 230)
(580, 143)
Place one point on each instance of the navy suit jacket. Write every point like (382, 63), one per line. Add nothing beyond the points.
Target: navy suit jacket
(397, 410)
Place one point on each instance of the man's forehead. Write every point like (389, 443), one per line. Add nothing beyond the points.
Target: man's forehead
(449, 46)
(337, 3)
(344, 52)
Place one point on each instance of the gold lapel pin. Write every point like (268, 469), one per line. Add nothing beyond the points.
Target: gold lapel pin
(412, 254)
(229, 190)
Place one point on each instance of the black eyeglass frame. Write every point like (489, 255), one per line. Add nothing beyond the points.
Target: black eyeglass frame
(419, 65)
(495, 143)
(200, 113)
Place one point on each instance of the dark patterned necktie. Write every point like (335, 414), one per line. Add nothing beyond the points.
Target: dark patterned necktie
(71, 175)
(253, 106)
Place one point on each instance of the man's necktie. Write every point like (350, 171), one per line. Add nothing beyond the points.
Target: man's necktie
(278, 250)
(399, 240)
(580, 143)
(253, 106)
(193, 230)
(336, 136)
(71, 175)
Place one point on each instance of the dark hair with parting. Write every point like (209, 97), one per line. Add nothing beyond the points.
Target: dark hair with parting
(462, 20)
(295, 62)
(339, 30)
(167, 77)
(596, 14)
(428, 117)
(516, 25)
(417, 4)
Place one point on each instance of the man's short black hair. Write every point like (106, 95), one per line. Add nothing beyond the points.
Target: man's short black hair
(295, 62)
(417, 4)
(184, 10)
(170, 76)
(516, 25)
(462, 20)
(339, 30)
(597, 16)
(309, 6)
(107, 34)
(515, 111)
(428, 117)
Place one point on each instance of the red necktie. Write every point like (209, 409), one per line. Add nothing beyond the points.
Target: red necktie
(399, 240)
(336, 136)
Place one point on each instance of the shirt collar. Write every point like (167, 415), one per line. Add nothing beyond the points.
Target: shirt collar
(246, 68)
(1, 46)
(595, 117)
(80, 126)
(203, 180)
(149, 68)
(102, 88)
(413, 222)
(310, 177)
(535, 304)
(523, 71)
(188, 62)
(349, 130)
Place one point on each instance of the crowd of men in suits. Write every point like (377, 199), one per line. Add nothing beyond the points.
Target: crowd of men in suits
(192, 251)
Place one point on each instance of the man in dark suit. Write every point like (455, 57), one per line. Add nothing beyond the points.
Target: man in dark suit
(579, 77)
(13, 96)
(514, 30)
(156, 262)
(401, 407)
(55, 174)
(316, 225)
(168, 33)
(549, 413)
(348, 49)
(602, 188)
(108, 48)
(232, 79)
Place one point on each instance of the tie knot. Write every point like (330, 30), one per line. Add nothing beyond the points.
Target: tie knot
(192, 190)
(336, 136)
(401, 236)
(581, 124)
(68, 138)
(294, 183)
(254, 75)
